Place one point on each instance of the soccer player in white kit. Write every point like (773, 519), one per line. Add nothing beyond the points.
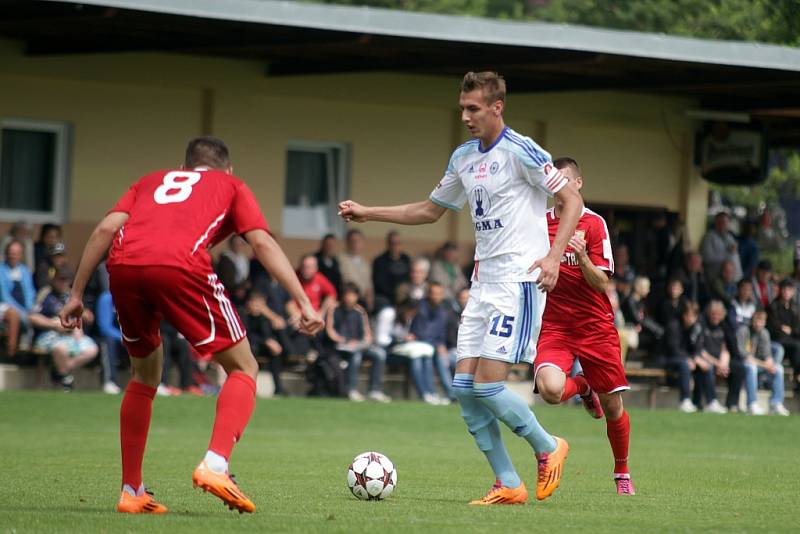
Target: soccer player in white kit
(506, 179)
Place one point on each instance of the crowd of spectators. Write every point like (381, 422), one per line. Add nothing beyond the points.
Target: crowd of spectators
(717, 315)
(391, 312)
(35, 278)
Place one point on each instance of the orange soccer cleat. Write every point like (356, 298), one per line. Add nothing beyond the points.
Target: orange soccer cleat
(223, 486)
(143, 504)
(503, 495)
(550, 466)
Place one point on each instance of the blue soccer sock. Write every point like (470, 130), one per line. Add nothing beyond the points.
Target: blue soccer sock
(483, 426)
(511, 409)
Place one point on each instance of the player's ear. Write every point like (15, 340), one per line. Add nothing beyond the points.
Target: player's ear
(499, 105)
(229, 169)
(578, 182)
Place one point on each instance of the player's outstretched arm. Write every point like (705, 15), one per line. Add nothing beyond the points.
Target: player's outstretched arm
(96, 248)
(570, 214)
(424, 212)
(272, 257)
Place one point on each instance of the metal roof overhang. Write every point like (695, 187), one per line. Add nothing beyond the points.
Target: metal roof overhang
(300, 39)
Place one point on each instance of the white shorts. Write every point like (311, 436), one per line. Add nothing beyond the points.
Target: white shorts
(501, 321)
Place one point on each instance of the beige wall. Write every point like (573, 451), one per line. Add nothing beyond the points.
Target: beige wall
(132, 113)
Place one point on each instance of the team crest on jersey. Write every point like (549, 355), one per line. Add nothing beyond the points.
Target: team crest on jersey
(481, 201)
(494, 168)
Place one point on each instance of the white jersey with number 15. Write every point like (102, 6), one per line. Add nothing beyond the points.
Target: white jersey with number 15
(506, 186)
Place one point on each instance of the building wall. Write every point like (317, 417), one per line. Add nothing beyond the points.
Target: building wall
(132, 113)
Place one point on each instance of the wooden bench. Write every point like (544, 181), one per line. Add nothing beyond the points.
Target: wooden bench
(653, 377)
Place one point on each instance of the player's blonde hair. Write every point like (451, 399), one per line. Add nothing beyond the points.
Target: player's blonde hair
(492, 84)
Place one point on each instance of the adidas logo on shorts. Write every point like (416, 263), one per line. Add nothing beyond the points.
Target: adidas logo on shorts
(501, 350)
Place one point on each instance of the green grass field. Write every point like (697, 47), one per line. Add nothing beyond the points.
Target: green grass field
(59, 470)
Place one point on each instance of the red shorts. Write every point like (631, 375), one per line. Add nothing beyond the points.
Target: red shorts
(195, 303)
(599, 355)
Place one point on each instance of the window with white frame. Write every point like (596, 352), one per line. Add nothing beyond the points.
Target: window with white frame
(316, 180)
(33, 170)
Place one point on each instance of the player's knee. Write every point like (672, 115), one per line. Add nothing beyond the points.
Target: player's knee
(550, 392)
(147, 376)
(612, 406)
(249, 366)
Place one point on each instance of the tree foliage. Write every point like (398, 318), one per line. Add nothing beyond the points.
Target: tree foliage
(769, 21)
(783, 181)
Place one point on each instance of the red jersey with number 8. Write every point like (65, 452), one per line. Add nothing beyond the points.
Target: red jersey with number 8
(175, 216)
(574, 305)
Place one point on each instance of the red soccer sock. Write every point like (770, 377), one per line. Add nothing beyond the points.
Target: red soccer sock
(234, 407)
(134, 423)
(619, 433)
(576, 385)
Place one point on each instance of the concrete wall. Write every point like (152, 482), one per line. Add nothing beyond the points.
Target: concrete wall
(132, 113)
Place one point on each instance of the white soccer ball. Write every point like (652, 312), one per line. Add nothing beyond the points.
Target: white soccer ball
(371, 476)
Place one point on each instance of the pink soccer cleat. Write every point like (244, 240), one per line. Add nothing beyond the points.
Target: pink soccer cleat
(592, 404)
(624, 484)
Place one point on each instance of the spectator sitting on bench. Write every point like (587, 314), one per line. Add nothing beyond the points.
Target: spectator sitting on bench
(354, 267)
(674, 301)
(348, 329)
(17, 295)
(264, 340)
(641, 331)
(328, 262)
(721, 353)
(744, 304)
(46, 270)
(108, 325)
(49, 235)
(761, 358)
(681, 350)
(430, 326)
(22, 233)
(695, 284)
(763, 287)
(724, 286)
(393, 336)
(70, 349)
(416, 288)
(784, 325)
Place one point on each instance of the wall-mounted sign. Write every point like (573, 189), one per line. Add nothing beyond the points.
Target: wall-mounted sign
(731, 156)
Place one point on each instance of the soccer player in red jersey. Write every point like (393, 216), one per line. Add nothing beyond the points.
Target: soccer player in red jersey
(159, 267)
(578, 322)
